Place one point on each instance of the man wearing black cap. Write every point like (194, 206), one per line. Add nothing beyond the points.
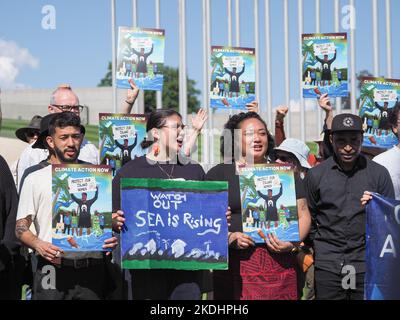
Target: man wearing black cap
(334, 190)
(80, 275)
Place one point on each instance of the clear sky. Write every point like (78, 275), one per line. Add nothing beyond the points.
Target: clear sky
(78, 50)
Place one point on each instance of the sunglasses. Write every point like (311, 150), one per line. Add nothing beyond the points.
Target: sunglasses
(32, 133)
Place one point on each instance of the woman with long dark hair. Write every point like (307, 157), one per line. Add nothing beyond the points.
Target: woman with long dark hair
(164, 140)
(256, 271)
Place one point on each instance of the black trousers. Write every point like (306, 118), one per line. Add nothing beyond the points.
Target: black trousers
(89, 283)
(328, 286)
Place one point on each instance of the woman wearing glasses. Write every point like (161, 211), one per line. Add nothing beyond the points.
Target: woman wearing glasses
(262, 271)
(162, 161)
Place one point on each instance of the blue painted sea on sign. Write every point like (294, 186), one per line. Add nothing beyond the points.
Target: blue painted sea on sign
(233, 103)
(384, 141)
(85, 242)
(289, 234)
(332, 90)
(155, 83)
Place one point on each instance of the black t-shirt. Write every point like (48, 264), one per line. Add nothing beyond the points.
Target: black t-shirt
(158, 283)
(227, 172)
(141, 168)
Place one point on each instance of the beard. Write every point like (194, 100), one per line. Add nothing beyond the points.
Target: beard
(60, 155)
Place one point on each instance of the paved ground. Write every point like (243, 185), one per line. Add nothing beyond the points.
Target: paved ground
(10, 149)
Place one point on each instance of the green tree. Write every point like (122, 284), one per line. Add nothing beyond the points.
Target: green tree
(170, 93)
(107, 80)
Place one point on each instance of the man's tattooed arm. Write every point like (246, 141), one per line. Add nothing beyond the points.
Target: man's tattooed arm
(24, 234)
(22, 226)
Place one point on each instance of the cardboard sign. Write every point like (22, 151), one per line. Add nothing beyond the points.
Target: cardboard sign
(80, 185)
(124, 132)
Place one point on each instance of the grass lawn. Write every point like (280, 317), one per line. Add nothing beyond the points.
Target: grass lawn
(8, 127)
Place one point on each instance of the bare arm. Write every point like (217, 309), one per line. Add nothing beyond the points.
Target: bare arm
(325, 104)
(47, 250)
(280, 135)
(197, 124)
(304, 218)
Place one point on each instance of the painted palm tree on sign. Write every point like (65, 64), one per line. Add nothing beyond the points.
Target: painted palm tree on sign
(308, 53)
(59, 185)
(247, 185)
(367, 95)
(105, 134)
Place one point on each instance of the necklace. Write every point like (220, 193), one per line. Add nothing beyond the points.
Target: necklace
(169, 175)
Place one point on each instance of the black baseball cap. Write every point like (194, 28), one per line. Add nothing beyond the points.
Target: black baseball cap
(44, 130)
(347, 122)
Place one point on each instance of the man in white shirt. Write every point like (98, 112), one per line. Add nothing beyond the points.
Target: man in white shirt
(80, 275)
(390, 159)
(62, 99)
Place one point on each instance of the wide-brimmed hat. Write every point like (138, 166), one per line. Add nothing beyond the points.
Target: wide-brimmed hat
(298, 148)
(34, 125)
(44, 130)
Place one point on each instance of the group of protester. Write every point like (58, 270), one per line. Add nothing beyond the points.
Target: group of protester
(331, 191)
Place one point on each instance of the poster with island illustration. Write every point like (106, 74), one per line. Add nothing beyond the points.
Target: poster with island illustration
(325, 67)
(120, 136)
(81, 206)
(378, 96)
(268, 200)
(140, 58)
(173, 224)
(233, 77)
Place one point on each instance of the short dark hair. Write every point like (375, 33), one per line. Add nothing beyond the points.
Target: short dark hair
(234, 122)
(394, 115)
(63, 120)
(157, 119)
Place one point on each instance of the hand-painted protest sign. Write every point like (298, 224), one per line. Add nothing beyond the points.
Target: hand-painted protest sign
(141, 58)
(81, 207)
(382, 276)
(378, 96)
(119, 138)
(325, 65)
(270, 206)
(174, 224)
(232, 77)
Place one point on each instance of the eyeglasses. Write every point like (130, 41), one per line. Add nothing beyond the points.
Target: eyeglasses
(65, 108)
(182, 126)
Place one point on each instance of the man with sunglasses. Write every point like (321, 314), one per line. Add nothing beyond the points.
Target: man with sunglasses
(334, 189)
(63, 99)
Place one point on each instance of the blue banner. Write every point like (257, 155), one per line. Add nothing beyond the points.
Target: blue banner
(382, 278)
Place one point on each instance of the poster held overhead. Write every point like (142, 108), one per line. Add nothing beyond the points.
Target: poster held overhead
(232, 77)
(378, 96)
(325, 67)
(141, 58)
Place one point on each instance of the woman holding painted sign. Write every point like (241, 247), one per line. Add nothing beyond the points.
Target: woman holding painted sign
(165, 137)
(255, 271)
